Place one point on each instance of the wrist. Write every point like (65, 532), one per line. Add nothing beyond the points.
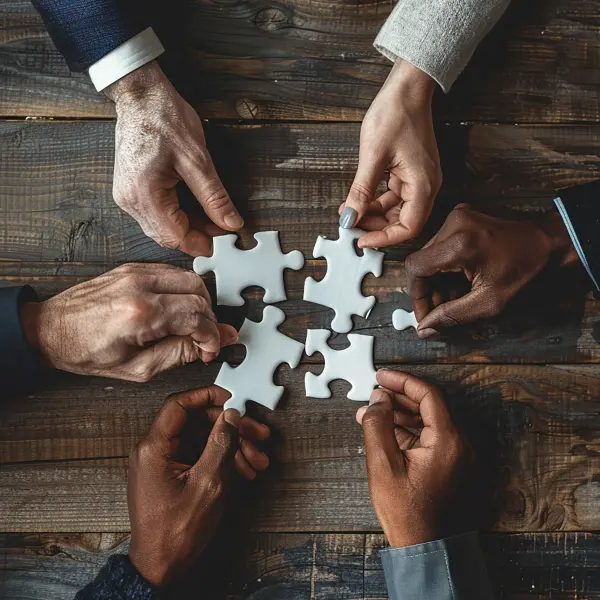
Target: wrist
(150, 570)
(561, 245)
(136, 85)
(37, 327)
(413, 534)
(410, 82)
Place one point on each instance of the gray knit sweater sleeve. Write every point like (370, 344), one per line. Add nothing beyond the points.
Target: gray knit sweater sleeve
(438, 36)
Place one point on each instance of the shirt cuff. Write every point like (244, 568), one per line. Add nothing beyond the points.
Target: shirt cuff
(442, 569)
(128, 57)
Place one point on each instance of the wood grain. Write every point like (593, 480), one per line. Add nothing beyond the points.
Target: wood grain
(56, 182)
(535, 430)
(300, 566)
(303, 60)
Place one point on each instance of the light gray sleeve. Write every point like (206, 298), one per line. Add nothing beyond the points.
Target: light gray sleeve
(438, 36)
(450, 569)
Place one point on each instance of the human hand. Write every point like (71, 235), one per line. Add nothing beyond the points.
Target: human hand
(498, 257)
(159, 142)
(176, 498)
(412, 478)
(397, 137)
(130, 323)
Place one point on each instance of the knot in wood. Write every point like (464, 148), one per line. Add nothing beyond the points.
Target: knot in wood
(246, 109)
(270, 19)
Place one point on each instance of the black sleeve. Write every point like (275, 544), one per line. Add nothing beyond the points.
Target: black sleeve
(21, 366)
(86, 30)
(579, 207)
(119, 580)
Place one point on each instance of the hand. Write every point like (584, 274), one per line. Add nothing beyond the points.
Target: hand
(176, 499)
(130, 323)
(498, 257)
(397, 137)
(159, 142)
(412, 478)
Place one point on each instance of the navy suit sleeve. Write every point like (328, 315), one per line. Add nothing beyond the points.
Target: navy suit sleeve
(21, 366)
(86, 30)
(579, 207)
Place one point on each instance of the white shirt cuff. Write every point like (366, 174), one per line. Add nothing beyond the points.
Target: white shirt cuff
(128, 57)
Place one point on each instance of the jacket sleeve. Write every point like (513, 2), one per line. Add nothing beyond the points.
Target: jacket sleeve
(21, 366)
(86, 30)
(438, 36)
(119, 580)
(450, 569)
(579, 208)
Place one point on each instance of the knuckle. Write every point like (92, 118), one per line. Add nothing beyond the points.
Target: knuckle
(360, 193)
(494, 303)
(217, 200)
(213, 489)
(135, 310)
(140, 452)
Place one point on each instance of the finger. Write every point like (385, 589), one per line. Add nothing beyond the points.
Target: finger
(223, 442)
(432, 408)
(167, 426)
(243, 468)
(206, 185)
(378, 429)
(249, 428)
(258, 460)
(228, 337)
(368, 176)
(164, 221)
(480, 303)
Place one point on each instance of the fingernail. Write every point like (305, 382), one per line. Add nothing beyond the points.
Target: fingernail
(360, 413)
(232, 417)
(229, 340)
(428, 333)
(348, 218)
(233, 220)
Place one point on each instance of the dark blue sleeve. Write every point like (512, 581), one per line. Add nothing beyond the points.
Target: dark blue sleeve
(21, 366)
(86, 30)
(119, 580)
(579, 207)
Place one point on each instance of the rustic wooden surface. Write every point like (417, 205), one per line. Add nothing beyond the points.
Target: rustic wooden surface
(284, 86)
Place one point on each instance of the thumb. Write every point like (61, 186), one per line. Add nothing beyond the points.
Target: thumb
(361, 194)
(217, 460)
(377, 421)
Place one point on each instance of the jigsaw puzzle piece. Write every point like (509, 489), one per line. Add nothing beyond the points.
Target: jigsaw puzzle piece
(237, 269)
(266, 349)
(402, 319)
(353, 364)
(340, 289)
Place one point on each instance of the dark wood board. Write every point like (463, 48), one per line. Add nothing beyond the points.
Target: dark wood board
(315, 61)
(562, 566)
(56, 182)
(535, 430)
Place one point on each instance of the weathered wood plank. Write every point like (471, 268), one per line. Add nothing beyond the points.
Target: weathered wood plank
(302, 566)
(56, 182)
(306, 60)
(536, 431)
(537, 328)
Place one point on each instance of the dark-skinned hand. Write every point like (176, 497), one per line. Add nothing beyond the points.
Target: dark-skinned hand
(176, 499)
(498, 258)
(412, 476)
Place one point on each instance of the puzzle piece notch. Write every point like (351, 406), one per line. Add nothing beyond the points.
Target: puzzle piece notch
(266, 349)
(237, 269)
(340, 289)
(353, 364)
(402, 319)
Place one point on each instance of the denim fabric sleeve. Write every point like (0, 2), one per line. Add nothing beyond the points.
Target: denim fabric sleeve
(21, 366)
(119, 580)
(86, 30)
(449, 569)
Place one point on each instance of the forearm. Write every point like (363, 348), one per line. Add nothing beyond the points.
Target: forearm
(119, 580)
(449, 569)
(438, 36)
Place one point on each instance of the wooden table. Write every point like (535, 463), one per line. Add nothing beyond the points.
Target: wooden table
(284, 86)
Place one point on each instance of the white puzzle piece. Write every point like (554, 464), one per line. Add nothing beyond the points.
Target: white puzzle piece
(402, 319)
(354, 364)
(237, 269)
(266, 349)
(340, 289)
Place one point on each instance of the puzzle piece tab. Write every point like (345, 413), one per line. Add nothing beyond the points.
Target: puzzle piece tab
(266, 349)
(402, 319)
(237, 269)
(340, 289)
(354, 364)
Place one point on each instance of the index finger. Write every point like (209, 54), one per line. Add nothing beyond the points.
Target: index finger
(432, 408)
(165, 432)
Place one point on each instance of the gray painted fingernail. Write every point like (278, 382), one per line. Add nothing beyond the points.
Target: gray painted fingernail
(348, 218)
